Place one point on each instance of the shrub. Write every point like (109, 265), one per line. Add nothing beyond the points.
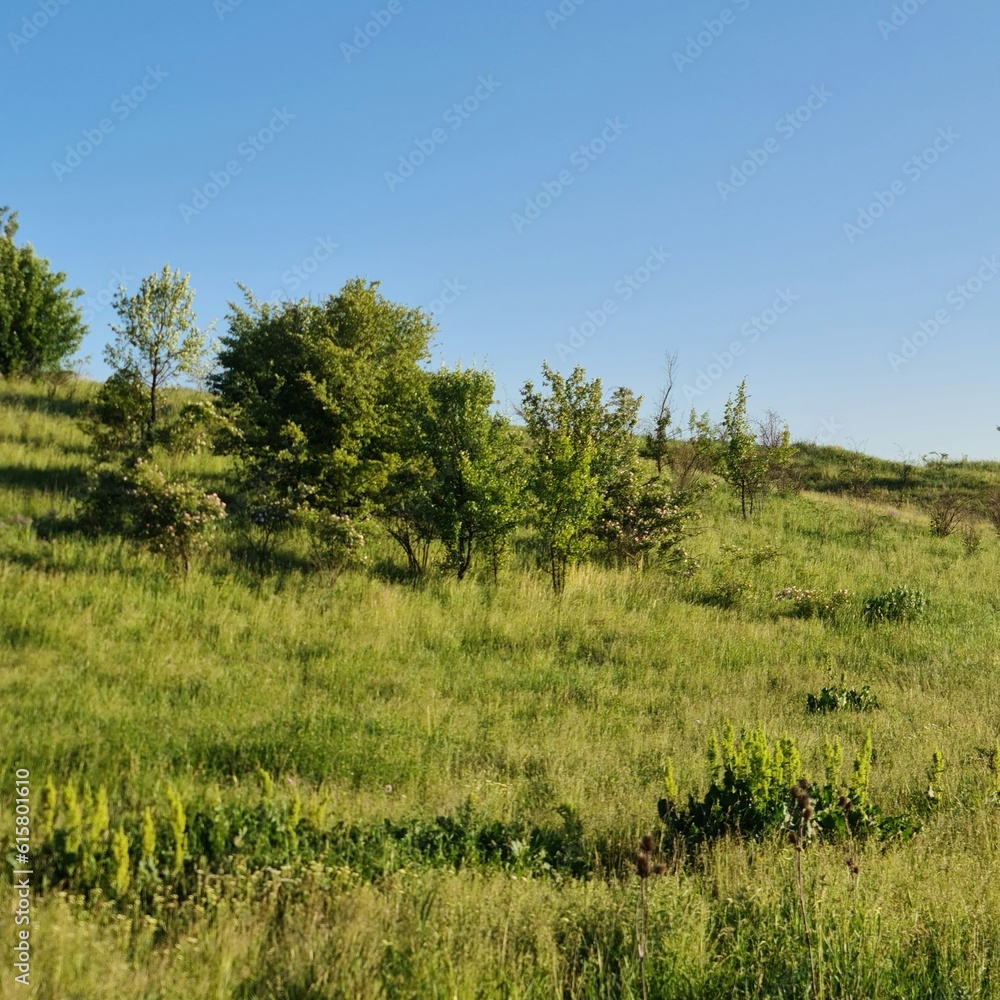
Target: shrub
(118, 417)
(895, 605)
(814, 603)
(335, 540)
(947, 508)
(195, 428)
(640, 518)
(137, 501)
(835, 699)
(748, 794)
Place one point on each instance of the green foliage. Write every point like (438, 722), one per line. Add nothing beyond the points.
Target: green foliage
(477, 493)
(463, 484)
(271, 832)
(815, 603)
(121, 877)
(580, 447)
(118, 417)
(745, 465)
(832, 699)
(40, 322)
(195, 428)
(748, 794)
(156, 340)
(336, 542)
(641, 516)
(898, 604)
(323, 394)
(137, 501)
(178, 827)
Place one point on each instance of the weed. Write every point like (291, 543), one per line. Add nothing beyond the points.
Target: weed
(832, 699)
(897, 604)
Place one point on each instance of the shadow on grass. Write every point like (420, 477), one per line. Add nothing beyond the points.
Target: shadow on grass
(39, 399)
(24, 477)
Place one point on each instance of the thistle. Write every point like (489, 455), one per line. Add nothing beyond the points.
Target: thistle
(644, 867)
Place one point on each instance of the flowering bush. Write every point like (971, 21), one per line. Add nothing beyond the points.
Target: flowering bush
(642, 517)
(814, 603)
(136, 500)
(195, 428)
(335, 539)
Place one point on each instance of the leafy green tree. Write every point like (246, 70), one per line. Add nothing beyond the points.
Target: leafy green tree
(323, 395)
(40, 323)
(581, 446)
(117, 418)
(478, 481)
(157, 339)
(744, 463)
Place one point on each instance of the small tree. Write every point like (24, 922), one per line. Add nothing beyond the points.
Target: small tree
(947, 508)
(580, 448)
(156, 338)
(744, 465)
(477, 483)
(40, 322)
(641, 516)
(118, 417)
(697, 454)
(775, 442)
(658, 436)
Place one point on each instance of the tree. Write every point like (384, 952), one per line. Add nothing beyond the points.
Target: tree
(323, 396)
(580, 448)
(696, 455)
(40, 323)
(775, 440)
(478, 480)
(744, 465)
(156, 338)
(642, 516)
(658, 437)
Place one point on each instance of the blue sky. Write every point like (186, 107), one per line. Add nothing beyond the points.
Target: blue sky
(801, 194)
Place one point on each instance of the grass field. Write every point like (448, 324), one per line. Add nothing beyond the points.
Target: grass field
(538, 729)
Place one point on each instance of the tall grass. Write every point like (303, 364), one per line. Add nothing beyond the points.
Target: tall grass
(380, 699)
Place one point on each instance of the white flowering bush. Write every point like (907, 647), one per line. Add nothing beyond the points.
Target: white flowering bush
(808, 603)
(335, 540)
(137, 501)
(640, 518)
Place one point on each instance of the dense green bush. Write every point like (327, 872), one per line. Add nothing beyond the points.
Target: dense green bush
(137, 501)
(895, 605)
(835, 699)
(750, 793)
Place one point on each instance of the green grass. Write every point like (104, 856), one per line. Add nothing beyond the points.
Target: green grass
(375, 699)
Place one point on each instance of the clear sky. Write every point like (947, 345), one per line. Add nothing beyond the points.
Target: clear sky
(588, 182)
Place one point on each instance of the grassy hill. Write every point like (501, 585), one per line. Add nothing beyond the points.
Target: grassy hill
(418, 789)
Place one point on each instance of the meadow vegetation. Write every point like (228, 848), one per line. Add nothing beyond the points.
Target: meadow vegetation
(320, 718)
